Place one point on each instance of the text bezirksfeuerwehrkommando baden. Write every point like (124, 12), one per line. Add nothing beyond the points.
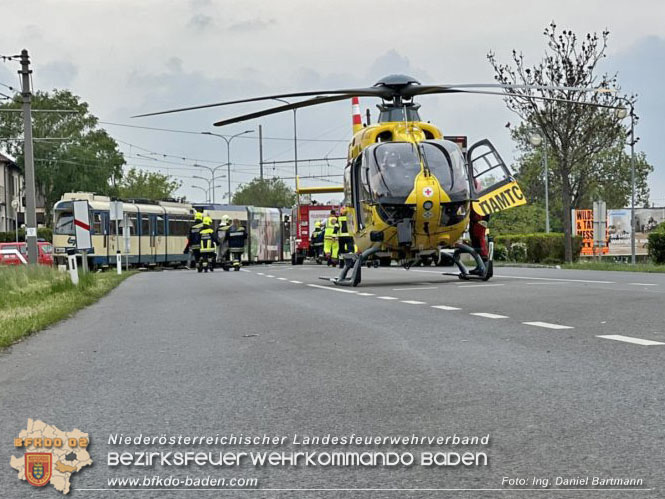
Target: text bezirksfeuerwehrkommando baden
(321, 450)
(295, 439)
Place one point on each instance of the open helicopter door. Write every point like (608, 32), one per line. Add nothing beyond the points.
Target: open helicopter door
(493, 186)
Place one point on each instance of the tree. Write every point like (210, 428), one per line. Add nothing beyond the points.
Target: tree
(139, 184)
(607, 176)
(523, 220)
(71, 154)
(576, 133)
(271, 192)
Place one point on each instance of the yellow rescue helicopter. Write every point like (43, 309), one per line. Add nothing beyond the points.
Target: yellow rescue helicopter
(410, 191)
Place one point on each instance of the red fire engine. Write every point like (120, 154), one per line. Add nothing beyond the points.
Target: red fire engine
(305, 215)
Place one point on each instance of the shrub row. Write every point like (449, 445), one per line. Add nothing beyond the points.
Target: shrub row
(42, 233)
(657, 244)
(534, 248)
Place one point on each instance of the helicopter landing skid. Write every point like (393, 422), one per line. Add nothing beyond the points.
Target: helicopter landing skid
(352, 262)
(483, 270)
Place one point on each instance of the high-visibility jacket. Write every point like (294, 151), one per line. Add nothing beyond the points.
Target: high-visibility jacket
(209, 240)
(330, 237)
(194, 237)
(343, 226)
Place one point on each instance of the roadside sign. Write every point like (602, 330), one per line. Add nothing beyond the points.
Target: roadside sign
(115, 210)
(82, 225)
(31, 231)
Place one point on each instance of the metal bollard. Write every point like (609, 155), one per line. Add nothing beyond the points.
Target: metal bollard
(118, 262)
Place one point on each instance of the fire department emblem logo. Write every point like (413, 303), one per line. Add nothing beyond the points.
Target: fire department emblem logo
(428, 192)
(38, 468)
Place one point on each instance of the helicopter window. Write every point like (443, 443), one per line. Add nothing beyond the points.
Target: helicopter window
(488, 167)
(393, 167)
(397, 114)
(348, 198)
(444, 159)
(361, 188)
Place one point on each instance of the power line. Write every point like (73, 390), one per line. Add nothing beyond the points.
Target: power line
(192, 132)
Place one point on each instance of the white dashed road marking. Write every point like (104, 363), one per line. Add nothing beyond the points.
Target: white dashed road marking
(553, 279)
(415, 287)
(548, 325)
(386, 298)
(366, 294)
(489, 316)
(282, 279)
(641, 284)
(331, 289)
(268, 275)
(629, 339)
(260, 273)
(445, 307)
(414, 302)
(296, 282)
(471, 285)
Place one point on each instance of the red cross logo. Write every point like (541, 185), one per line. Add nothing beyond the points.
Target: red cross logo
(427, 191)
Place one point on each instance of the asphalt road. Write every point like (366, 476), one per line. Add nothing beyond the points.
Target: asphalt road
(273, 350)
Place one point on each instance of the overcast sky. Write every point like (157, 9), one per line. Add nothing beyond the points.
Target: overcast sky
(126, 57)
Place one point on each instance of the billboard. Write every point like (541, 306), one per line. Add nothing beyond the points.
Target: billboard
(618, 229)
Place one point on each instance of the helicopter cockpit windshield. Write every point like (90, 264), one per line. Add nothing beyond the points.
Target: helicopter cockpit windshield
(445, 161)
(393, 167)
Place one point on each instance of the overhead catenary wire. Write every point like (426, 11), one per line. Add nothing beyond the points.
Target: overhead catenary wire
(192, 132)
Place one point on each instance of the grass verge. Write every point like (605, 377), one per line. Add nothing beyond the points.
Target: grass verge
(622, 267)
(32, 298)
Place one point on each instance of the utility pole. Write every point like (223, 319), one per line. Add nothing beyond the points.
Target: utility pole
(29, 160)
(261, 152)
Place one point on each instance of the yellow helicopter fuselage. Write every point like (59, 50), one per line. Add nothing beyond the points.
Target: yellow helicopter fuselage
(429, 234)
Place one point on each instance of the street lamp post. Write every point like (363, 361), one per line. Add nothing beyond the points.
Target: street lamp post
(295, 137)
(211, 186)
(205, 191)
(621, 114)
(536, 139)
(212, 175)
(228, 154)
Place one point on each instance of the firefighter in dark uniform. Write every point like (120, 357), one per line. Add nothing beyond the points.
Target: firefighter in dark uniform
(343, 236)
(194, 239)
(209, 243)
(316, 241)
(236, 235)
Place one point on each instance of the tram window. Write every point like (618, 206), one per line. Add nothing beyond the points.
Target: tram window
(145, 225)
(132, 223)
(64, 223)
(97, 223)
(161, 226)
(173, 226)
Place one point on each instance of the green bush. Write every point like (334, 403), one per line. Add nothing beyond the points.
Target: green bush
(500, 252)
(42, 233)
(657, 244)
(537, 248)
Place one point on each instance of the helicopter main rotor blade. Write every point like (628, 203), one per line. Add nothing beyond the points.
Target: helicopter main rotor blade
(280, 109)
(537, 97)
(445, 89)
(348, 93)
